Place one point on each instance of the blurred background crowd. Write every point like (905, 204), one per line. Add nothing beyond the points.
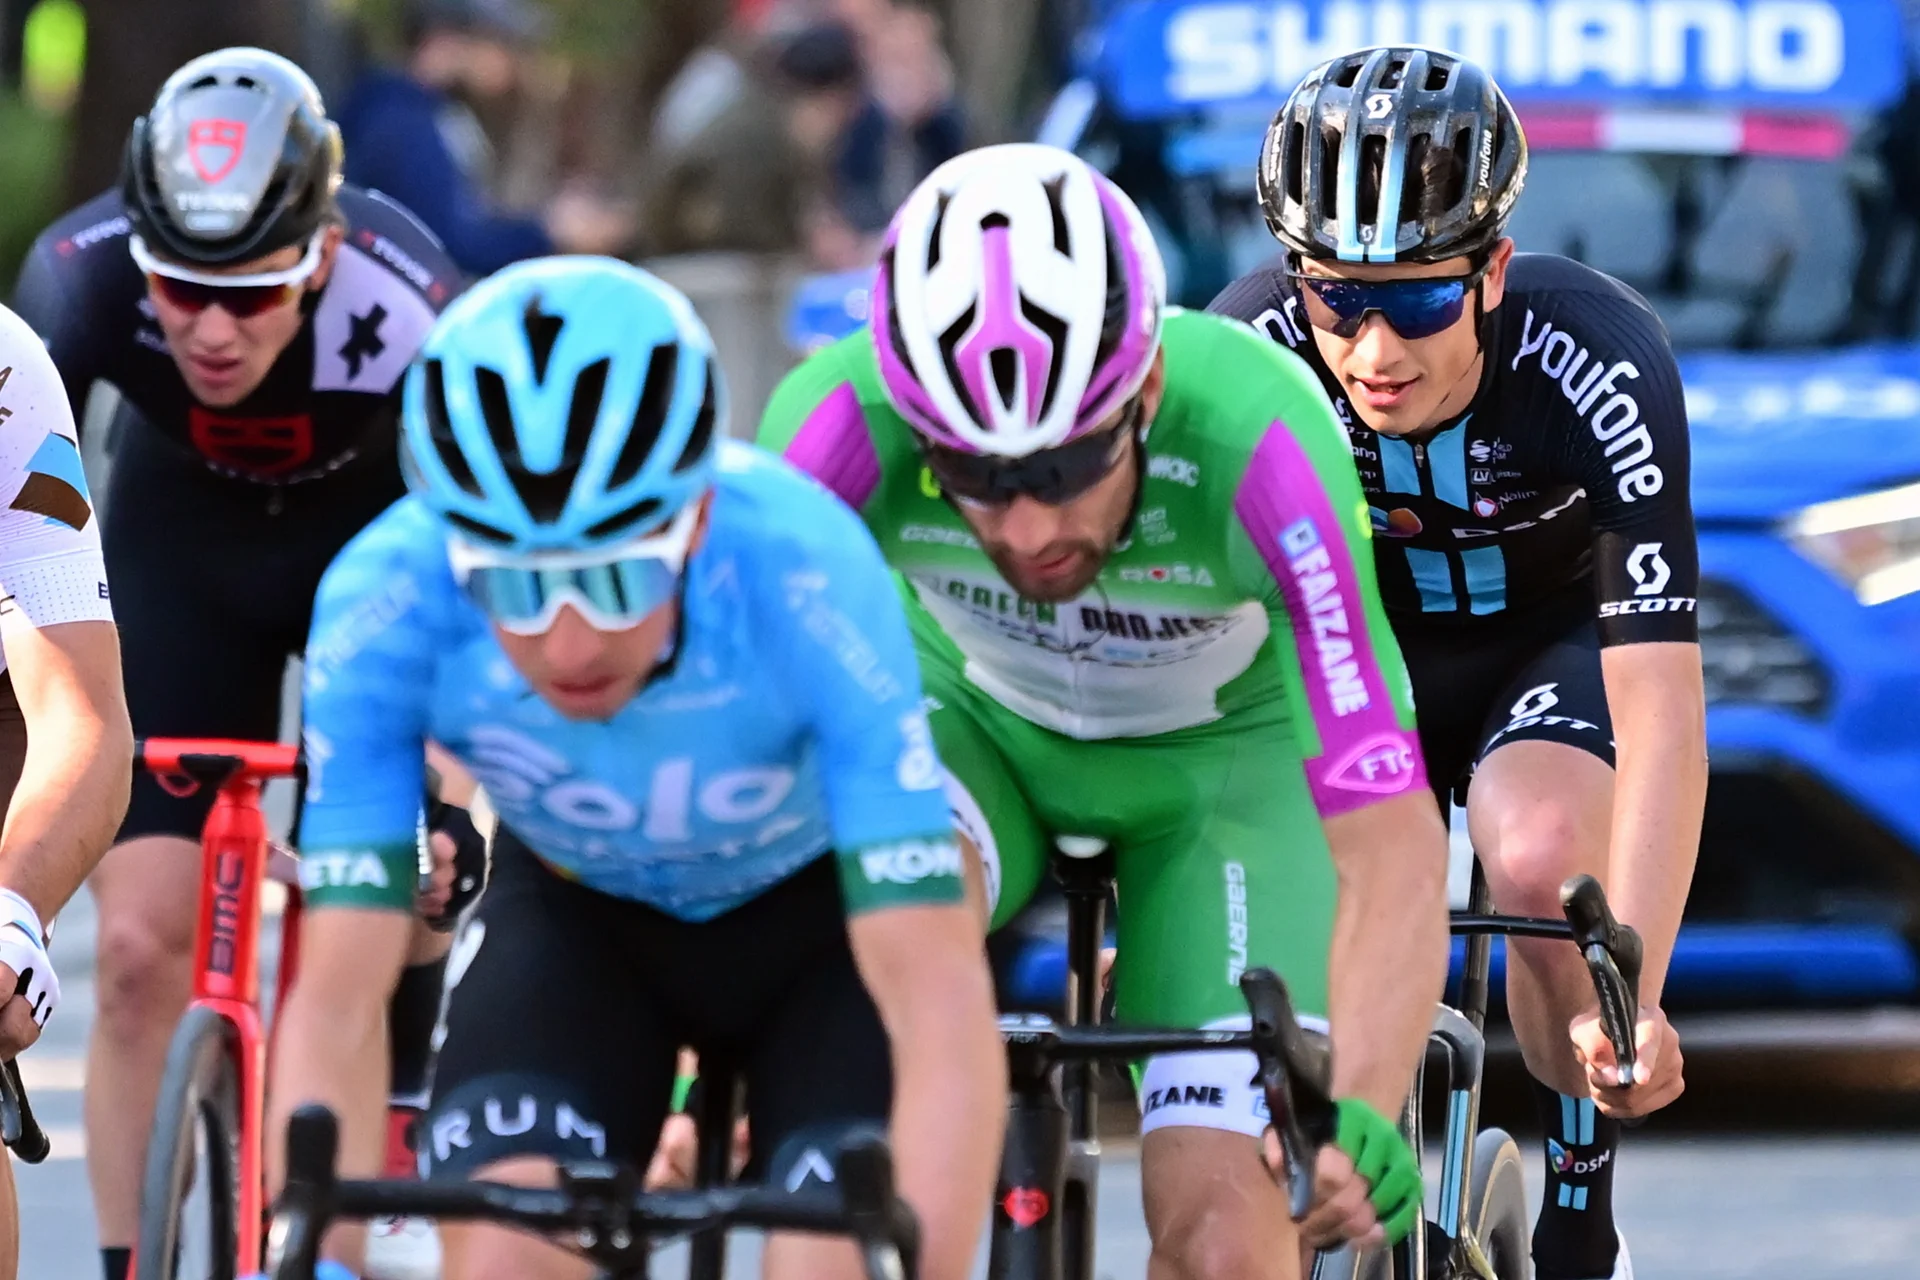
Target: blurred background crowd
(521, 127)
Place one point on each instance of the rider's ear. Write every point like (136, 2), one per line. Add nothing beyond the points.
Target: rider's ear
(329, 250)
(1494, 286)
(1153, 390)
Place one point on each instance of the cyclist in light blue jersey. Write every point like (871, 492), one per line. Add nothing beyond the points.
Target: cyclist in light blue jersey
(680, 670)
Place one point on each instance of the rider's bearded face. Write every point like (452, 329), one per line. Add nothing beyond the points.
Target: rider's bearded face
(1050, 553)
(1399, 385)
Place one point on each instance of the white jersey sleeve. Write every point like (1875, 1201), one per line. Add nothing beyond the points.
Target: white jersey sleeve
(51, 569)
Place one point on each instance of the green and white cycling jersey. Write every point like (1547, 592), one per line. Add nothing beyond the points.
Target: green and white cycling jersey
(1228, 681)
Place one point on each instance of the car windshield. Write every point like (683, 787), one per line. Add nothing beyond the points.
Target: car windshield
(1735, 251)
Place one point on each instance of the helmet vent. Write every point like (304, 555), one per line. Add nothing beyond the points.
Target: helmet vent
(663, 368)
(702, 434)
(1348, 74)
(1396, 74)
(1420, 164)
(1461, 158)
(484, 532)
(638, 513)
(1005, 364)
(543, 331)
(949, 343)
(1291, 156)
(497, 411)
(588, 390)
(1373, 161)
(1057, 207)
(204, 82)
(1329, 169)
(440, 431)
(1056, 331)
(939, 225)
(1113, 324)
(1437, 75)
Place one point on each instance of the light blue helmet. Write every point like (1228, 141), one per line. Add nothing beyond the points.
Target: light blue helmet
(563, 404)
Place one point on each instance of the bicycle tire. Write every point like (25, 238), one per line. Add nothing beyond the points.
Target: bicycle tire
(199, 1096)
(1497, 1205)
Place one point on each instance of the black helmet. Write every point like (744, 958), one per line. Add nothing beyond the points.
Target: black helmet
(236, 159)
(1395, 154)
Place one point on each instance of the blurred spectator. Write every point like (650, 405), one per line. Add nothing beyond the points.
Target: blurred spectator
(755, 175)
(410, 135)
(911, 121)
(867, 97)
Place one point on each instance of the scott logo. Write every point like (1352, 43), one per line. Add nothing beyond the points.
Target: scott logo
(1649, 569)
(213, 147)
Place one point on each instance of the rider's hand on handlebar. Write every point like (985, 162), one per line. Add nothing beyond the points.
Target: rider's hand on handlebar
(1657, 1073)
(28, 986)
(437, 890)
(1341, 1209)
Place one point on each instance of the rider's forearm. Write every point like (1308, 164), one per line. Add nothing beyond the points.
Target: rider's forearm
(331, 1048)
(69, 802)
(949, 1087)
(1660, 791)
(1389, 958)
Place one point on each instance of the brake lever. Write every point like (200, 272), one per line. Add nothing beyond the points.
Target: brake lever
(1291, 1074)
(1614, 954)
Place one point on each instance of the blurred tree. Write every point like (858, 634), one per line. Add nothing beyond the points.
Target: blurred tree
(130, 53)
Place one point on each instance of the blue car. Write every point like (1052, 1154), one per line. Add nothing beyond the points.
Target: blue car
(1753, 169)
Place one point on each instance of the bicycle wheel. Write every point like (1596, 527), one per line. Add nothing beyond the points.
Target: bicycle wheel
(190, 1195)
(1497, 1205)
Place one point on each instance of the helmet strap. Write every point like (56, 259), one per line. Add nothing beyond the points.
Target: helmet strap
(1139, 480)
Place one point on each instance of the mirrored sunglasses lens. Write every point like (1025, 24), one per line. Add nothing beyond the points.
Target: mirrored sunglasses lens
(240, 301)
(1414, 309)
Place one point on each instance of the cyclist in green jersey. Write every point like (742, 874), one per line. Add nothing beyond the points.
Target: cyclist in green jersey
(1180, 650)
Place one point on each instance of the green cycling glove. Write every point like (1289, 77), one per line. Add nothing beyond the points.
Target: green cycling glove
(1381, 1156)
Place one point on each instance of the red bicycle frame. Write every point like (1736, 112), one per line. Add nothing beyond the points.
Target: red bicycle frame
(226, 976)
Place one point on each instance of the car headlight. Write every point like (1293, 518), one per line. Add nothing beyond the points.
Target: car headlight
(1871, 542)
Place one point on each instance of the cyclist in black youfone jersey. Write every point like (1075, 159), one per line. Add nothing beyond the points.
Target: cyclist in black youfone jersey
(256, 317)
(1519, 431)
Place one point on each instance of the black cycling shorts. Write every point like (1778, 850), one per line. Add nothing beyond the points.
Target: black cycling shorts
(566, 1009)
(1476, 689)
(213, 585)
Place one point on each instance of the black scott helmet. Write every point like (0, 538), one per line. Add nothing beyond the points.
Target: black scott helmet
(236, 159)
(1394, 154)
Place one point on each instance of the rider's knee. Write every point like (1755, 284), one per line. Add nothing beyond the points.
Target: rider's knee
(144, 963)
(1217, 1240)
(1537, 846)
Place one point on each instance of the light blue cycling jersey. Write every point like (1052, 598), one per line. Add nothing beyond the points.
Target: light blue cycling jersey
(790, 722)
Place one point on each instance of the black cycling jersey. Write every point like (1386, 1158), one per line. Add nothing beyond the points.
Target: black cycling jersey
(330, 397)
(1567, 475)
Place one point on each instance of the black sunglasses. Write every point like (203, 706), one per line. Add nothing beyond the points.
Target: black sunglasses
(1051, 476)
(1414, 309)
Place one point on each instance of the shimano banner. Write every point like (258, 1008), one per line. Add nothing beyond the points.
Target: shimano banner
(1165, 56)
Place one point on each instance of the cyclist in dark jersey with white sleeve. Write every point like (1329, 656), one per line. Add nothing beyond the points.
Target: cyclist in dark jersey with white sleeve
(1519, 431)
(255, 316)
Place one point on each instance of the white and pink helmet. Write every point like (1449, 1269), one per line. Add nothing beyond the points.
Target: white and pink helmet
(1018, 302)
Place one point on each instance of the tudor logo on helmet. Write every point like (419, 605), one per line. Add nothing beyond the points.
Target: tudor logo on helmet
(1018, 302)
(235, 160)
(213, 147)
